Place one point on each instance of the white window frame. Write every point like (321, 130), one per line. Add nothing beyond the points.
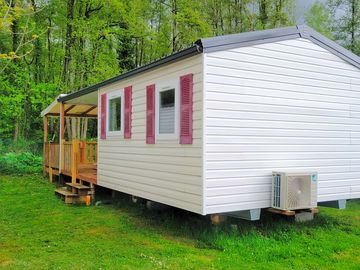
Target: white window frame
(110, 96)
(161, 87)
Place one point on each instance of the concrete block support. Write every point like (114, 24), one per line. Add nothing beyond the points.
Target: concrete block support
(339, 204)
(253, 214)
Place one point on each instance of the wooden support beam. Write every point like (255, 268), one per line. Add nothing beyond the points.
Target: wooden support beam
(74, 115)
(61, 136)
(217, 219)
(49, 159)
(50, 174)
(62, 121)
(74, 161)
(69, 109)
(45, 126)
(87, 111)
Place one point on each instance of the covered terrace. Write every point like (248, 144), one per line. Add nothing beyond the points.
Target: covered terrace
(69, 155)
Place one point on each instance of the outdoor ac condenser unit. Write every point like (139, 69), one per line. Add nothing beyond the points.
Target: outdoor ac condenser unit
(293, 191)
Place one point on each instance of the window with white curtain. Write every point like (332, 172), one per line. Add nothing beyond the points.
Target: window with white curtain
(166, 102)
(115, 113)
(167, 112)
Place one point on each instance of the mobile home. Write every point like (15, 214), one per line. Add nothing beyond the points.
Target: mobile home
(203, 129)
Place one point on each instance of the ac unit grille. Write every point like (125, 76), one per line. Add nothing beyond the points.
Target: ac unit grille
(277, 189)
(293, 191)
(298, 192)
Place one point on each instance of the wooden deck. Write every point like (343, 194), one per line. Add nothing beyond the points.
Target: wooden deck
(78, 160)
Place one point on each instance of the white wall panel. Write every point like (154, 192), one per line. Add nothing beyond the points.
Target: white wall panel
(283, 106)
(166, 172)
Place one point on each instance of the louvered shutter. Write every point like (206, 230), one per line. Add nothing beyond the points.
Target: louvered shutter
(128, 111)
(103, 117)
(186, 110)
(150, 114)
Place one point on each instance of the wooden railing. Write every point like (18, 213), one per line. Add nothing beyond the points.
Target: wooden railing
(74, 154)
(78, 155)
(88, 152)
(51, 155)
(67, 155)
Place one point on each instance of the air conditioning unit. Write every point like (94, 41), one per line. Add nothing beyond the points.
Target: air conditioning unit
(294, 191)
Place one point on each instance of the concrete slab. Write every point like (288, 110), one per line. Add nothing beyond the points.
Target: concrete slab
(304, 216)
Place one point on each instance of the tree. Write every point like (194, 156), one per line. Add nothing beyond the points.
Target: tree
(319, 18)
(55, 46)
(68, 42)
(347, 26)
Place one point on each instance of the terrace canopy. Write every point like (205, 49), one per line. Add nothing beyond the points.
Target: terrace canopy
(75, 158)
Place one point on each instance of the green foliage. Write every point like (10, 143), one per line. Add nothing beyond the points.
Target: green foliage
(106, 38)
(125, 236)
(346, 27)
(20, 157)
(319, 18)
(111, 37)
(20, 146)
(20, 163)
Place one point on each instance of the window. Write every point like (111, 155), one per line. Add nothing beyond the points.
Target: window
(166, 112)
(115, 113)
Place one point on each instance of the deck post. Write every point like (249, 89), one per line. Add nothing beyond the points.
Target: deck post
(50, 164)
(61, 136)
(74, 161)
(45, 123)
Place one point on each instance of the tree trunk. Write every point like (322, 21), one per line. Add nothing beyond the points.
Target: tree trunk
(263, 15)
(38, 68)
(174, 25)
(68, 42)
(84, 128)
(15, 45)
(68, 128)
(14, 30)
(50, 76)
(353, 23)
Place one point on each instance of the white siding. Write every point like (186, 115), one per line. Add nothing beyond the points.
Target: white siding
(284, 106)
(165, 172)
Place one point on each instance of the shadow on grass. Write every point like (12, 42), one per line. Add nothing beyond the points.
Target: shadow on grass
(188, 226)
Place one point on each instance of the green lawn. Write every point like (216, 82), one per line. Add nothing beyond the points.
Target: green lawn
(37, 231)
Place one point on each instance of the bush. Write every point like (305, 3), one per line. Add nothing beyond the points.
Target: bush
(20, 146)
(20, 163)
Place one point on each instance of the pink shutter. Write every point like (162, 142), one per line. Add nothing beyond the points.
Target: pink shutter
(186, 110)
(103, 117)
(150, 114)
(128, 108)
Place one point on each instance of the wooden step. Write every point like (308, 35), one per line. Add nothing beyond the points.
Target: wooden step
(78, 186)
(67, 196)
(79, 189)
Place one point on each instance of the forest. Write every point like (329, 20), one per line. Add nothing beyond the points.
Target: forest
(48, 47)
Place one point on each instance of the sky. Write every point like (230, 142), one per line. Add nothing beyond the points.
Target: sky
(302, 6)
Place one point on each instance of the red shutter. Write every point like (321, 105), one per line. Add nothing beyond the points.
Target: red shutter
(186, 110)
(150, 114)
(103, 117)
(128, 108)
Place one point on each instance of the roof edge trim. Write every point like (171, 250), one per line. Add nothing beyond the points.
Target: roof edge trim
(333, 47)
(273, 35)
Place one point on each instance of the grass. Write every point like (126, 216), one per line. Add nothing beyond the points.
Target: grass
(37, 231)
